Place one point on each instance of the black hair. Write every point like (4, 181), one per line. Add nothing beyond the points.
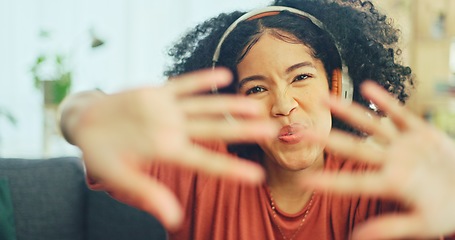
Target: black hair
(366, 40)
(286, 26)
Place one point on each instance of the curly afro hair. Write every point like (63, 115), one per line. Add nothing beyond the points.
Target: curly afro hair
(365, 39)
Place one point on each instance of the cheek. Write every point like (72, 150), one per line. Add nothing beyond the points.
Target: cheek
(313, 102)
(328, 124)
(264, 105)
(324, 117)
(315, 92)
(318, 112)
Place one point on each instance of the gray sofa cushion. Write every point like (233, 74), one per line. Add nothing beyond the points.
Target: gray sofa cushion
(109, 219)
(51, 201)
(48, 197)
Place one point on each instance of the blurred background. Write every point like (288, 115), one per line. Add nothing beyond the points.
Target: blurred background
(50, 48)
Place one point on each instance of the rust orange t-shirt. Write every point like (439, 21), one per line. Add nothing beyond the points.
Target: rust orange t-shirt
(219, 208)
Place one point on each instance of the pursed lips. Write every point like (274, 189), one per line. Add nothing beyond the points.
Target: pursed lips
(291, 134)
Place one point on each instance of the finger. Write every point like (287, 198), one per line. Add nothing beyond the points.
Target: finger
(242, 130)
(368, 184)
(401, 116)
(221, 164)
(199, 81)
(221, 104)
(353, 147)
(361, 118)
(138, 189)
(393, 226)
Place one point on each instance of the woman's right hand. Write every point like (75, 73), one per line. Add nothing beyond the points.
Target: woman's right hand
(120, 135)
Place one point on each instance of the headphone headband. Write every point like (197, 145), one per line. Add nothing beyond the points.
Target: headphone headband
(346, 82)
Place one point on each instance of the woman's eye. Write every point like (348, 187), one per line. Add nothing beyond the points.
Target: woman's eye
(301, 77)
(255, 89)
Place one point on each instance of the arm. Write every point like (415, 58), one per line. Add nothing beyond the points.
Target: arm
(416, 165)
(121, 134)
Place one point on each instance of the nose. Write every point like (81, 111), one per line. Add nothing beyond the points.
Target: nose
(284, 103)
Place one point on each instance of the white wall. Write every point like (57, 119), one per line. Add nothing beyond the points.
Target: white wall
(137, 34)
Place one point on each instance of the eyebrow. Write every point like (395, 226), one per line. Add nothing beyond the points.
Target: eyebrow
(299, 65)
(288, 70)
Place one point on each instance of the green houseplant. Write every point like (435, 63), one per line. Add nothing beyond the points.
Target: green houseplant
(52, 75)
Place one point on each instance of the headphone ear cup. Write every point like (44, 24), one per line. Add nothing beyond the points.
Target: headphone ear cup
(337, 78)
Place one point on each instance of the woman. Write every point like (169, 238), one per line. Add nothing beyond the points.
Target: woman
(288, 64)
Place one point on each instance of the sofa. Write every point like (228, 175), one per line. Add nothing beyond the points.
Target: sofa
(47, 199)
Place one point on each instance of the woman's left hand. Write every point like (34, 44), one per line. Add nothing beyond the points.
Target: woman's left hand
(416, 166)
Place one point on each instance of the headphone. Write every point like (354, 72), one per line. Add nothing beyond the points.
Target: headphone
(341, 82)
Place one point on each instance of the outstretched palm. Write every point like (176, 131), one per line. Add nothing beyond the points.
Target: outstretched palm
(416, 166)
(121, 134)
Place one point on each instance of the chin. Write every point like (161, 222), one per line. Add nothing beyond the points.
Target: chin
(296, 158)
(297, 163)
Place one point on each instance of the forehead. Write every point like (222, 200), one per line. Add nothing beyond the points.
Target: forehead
(269, 32)
(279, 51)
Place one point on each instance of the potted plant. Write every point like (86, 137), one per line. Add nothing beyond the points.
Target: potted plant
(53, 77)
(52, 74)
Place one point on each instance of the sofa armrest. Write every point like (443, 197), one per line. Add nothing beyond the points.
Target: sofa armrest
(48, 196)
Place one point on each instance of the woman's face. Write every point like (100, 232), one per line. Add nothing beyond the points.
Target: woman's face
(291, 84)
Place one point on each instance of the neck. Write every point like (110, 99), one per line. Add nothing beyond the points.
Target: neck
(286, 188)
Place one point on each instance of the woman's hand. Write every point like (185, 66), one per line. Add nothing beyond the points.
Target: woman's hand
(120, 135)
(416, 166)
